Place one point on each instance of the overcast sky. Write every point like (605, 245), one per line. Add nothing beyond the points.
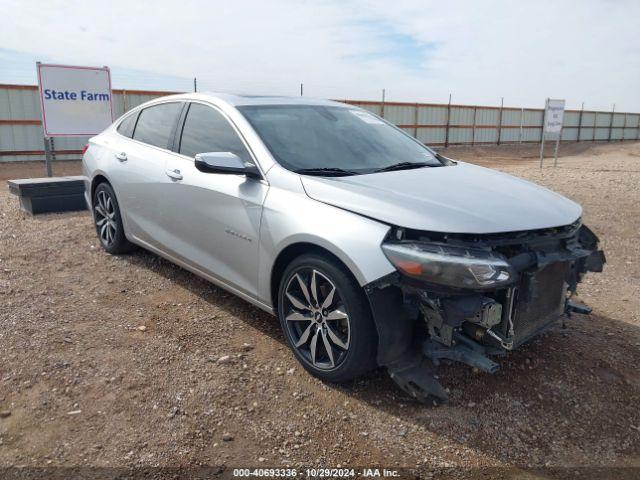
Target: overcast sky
(417, 50)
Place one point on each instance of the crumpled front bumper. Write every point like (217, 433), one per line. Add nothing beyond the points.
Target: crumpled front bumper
(548, 275)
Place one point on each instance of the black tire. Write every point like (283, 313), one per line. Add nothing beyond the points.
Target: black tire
(113, 240)
(358, 334)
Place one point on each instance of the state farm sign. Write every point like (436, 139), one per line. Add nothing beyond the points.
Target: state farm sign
(75, 101)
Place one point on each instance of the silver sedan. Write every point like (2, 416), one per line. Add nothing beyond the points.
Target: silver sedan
(371, 248)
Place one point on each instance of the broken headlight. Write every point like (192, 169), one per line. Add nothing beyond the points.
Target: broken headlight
(450, 266)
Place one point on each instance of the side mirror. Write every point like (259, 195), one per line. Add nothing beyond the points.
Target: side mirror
(225, 162)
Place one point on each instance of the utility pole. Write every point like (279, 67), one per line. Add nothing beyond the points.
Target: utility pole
(382, 103)
(580, 122)
(48, 144)
(301, 89)
(195, 84)
(521, 125)
(446, 134)
(500, 120)
(544, 118)
(613, 113)
(473, 131)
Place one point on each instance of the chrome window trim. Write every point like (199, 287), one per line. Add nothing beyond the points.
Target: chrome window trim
(179, 155)
(138, 109)
(235, 129)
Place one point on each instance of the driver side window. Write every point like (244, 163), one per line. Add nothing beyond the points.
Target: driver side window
(206, 130)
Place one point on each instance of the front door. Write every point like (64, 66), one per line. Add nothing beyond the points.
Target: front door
(212, 221)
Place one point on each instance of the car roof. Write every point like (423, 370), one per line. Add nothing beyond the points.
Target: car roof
(244, 100)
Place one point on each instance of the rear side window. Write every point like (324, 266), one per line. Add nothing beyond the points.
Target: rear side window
(155, 124)
(206, 130)
(127, 125)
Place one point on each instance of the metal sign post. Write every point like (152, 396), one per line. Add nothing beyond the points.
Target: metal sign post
(542, 135)
(555, 152)
(48, 157)
(552, 126)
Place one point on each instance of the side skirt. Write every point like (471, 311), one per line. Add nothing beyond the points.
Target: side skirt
(216, 281)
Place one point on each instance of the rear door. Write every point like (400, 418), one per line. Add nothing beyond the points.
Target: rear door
(212, 221)
(138, 173)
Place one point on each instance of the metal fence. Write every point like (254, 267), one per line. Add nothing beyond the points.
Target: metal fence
(448, 124)
(21, 136)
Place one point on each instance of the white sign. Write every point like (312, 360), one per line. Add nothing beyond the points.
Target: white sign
(75, 101)
(553, 117)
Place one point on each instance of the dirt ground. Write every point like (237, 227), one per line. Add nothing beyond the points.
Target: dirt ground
(210, 382)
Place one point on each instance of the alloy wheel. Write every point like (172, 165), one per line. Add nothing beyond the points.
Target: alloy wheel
(105, 214)
(316, 319)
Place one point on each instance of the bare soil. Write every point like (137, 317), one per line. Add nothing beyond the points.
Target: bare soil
(83, 385)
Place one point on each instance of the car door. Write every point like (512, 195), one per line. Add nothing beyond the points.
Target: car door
(211, 221)
(138, 171)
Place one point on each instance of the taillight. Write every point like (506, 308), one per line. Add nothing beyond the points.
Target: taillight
(85, 148)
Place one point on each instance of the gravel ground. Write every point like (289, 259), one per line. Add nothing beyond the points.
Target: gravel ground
(128, 362)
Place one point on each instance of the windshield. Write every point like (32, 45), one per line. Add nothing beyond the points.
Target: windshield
(319, 139)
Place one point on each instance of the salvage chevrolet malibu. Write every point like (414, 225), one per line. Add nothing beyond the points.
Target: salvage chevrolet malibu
(371, 248)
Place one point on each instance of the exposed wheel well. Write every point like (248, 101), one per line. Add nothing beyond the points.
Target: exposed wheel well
(287, 255)
(97, 180)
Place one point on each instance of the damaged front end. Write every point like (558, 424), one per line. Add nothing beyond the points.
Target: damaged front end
(466, 298)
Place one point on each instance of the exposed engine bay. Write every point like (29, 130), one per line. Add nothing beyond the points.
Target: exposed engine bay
(468, 298)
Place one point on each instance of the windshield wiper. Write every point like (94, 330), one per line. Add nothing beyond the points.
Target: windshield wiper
(325, 171)
(403, 166)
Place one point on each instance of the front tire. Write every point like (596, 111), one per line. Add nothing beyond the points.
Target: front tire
(108, 220)
(326, 319)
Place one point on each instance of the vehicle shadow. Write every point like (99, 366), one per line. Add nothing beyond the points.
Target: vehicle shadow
(568, 397)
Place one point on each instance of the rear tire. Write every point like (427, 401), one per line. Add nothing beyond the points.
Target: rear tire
(338, 325)
(108, 220)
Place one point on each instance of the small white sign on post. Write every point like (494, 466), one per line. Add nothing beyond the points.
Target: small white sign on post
(553, 117)
(75, 101)
(552, 127)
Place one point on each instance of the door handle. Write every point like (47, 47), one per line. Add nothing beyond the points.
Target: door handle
(175, 174)
(122, 156)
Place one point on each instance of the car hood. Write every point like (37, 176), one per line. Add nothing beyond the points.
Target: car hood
(461, 198)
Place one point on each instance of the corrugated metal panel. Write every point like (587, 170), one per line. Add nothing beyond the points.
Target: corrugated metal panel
(5, 111)
(631, 133)
(486, 135)
(30, 137)
(569, 134)
(616, 134)
(618, 120)
(22, 104)
(133, 100)
(571, 119)
(602, 133)
(531, 134)
(588, 119)
(460, 135)
(486, 116)
(21, 137)
(400, 115)
(432, 116)
(511, 117)
(509, 135)
(532, 118)
(603, 119)
(633, 120)
(432, 136)
(461, 116)
(586, 134)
